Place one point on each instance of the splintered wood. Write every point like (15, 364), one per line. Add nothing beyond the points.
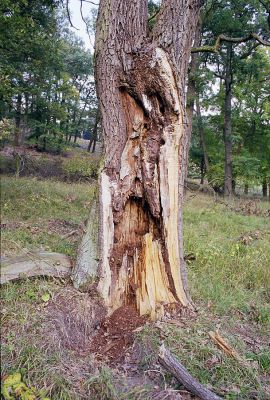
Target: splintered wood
(224, 345)
(140, 231)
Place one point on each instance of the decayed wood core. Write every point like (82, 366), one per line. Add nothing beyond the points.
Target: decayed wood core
(140, 203)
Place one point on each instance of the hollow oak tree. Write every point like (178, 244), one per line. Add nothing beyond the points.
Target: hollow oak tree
(141, 77)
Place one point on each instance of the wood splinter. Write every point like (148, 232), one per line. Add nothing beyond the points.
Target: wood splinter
(169, 362)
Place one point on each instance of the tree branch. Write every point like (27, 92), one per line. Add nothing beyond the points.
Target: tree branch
(224, 38)
(169, 362)
(153, 16)
(90, 2)
(69, 17)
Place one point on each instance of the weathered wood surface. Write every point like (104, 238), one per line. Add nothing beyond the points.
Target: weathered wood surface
(169, 362)
(35, 264)
(85, 269)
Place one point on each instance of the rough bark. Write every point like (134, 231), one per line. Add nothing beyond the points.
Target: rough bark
(228, 184)
(140, 82)
(191, 90)
(85, 270)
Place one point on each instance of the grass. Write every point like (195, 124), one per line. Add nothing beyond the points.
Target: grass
(229, 283)
(33, 203)
(239, 274)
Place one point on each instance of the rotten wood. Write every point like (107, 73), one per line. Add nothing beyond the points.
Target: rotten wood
(171, 364)
(35, 264)
(141, 83)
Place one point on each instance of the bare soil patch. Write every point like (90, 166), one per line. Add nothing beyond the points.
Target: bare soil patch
(116, 334)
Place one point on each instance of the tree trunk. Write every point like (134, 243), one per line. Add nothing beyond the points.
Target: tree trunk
(264, 187)
(141, 85)
(93, 140)
(228, 187)
(202, 135)
(246, 188)
(18, 115)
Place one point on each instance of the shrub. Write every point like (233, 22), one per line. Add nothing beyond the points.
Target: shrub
(6, 130)
(81, 167)
(51, 144)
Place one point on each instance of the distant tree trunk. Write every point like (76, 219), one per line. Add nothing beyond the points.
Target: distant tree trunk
(202, 135)
(93, 139)
(264, 187)
(141, 80)
(246, 189)
(228, 186)
(18, 115)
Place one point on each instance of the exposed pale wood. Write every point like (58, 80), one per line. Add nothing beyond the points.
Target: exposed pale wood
(35, 264)
(171, 364)
(224, 345)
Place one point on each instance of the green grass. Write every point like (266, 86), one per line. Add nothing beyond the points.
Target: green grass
(227, 274)
(33, 203)
(229, 283)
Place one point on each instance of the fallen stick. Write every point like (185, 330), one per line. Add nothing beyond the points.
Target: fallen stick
(224, 345)
(169, 362)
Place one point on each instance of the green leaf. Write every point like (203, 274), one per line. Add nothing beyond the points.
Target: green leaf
(46, 297)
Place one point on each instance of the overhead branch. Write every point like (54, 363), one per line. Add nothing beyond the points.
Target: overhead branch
(223, 38)
(90, 2)
(85, 22)
(264, 4)
(69, 17)
(220, 76)
(247, 53)
(153, 16)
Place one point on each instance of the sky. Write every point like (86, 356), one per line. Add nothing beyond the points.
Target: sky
(75, 14)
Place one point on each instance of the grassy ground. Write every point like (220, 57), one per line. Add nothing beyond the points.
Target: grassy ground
(37, 214)
(229, 282)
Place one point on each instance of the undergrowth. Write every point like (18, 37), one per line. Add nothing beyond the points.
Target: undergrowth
(229, 283)
(30, 207)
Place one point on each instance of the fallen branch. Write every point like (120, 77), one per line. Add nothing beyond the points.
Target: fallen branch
(67, 235)
(169, 362)
(224, 345)
(39, 264)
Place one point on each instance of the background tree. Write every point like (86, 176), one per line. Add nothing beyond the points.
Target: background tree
(230, 29)
(46, 74)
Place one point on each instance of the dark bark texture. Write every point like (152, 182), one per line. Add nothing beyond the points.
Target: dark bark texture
(140, 81)
(228, 182)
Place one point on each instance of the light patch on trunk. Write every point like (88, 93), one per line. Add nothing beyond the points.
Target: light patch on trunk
(169, 177)
(151, 280)
(167, 74)
(107, 237)
(147, 103)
